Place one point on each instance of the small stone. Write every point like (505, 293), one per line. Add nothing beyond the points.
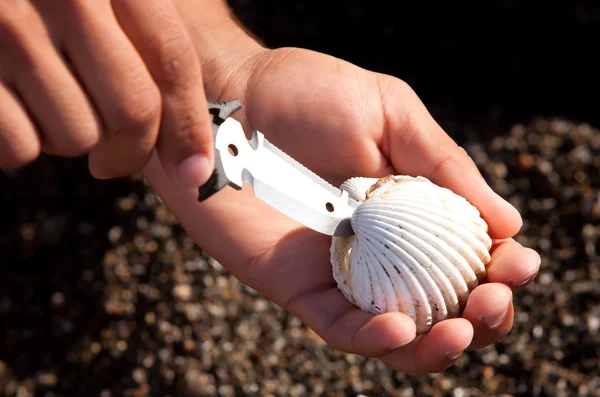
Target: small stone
(593, 323)
(183, 292)
(139, 375)
(526, 161)
(57, 299)
(538, 331)
(114, 234)
(459, 392)
(216, 310)
(150, 318)
(121, 345)
(127, 203)
(28, 232)
(226, 391)
(47, 379)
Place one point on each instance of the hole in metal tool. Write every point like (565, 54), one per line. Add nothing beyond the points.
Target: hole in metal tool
(329, 207)
(233, 150)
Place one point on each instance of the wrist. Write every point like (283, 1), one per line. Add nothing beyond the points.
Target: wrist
(222, 43)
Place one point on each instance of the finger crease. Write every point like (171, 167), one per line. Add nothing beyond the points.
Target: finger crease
(355, 333)
(438, 167)
(334, 320)
(290, 303)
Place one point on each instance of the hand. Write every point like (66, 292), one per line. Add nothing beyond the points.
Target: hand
(102, 77)
(343, 121)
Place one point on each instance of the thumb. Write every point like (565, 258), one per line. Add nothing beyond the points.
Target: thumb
(419, 146)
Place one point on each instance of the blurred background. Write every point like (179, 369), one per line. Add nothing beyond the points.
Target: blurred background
(103, 294)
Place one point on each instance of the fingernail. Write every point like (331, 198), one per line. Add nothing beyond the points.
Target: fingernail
(98, 173)
(453, 356)
(193, 171)
(101, 177)
(494, 320)
(525, 280)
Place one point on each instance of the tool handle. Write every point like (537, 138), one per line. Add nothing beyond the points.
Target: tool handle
(219, 111)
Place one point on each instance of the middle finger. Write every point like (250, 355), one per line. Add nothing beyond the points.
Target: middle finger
(117, 80)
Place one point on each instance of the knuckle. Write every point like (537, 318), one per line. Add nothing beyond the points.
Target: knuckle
(12, 12)
(12, 23)
(140, 113)
(404, 89)
(21, 32)
(189, 128)
(176, 55)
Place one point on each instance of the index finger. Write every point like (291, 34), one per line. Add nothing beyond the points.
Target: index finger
(419, 146)
(185, 142)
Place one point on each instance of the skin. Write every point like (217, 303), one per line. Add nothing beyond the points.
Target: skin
(124, 82)
(112, 79)
(342, 121)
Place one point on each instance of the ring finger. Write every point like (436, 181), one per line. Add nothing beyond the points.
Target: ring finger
(51, 94)
(19, 141)
(116, 78)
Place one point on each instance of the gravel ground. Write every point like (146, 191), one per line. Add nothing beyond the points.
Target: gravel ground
(103, 294)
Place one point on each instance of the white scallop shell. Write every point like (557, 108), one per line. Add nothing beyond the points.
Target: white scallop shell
(418, 248)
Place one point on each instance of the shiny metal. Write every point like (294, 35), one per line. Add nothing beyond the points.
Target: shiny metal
(282, 182)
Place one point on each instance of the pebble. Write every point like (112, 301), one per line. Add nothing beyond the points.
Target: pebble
(183, 291)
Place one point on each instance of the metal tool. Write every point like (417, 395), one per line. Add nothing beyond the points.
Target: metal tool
(275, 177)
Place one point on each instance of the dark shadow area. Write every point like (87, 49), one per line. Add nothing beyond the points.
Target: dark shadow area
(491, 65)
(53, 237)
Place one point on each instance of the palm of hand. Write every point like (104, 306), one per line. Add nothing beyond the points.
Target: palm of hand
(343, 121)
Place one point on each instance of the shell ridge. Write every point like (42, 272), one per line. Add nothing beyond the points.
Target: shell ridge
(427, 290)
(477, 241)
(428, 277)
(376, 263)
(441, 242)
(379, 301)
(401, 229)
(437, 279)
(422, 185)
(357, 187)
(383, 272)
(418, 248)
(455, 213)
(407, 292)
(474, 235)
(362, 293)
(453, 266)
(447, 282)
(462, 250)
(449, 205)
(447, 277)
